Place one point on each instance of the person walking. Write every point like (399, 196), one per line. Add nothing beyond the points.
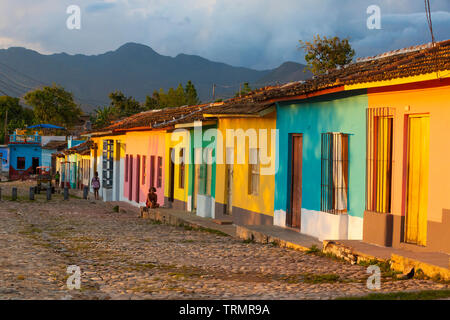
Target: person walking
(95, 185)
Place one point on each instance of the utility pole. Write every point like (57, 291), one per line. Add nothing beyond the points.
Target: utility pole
(240, 90)
(214, 92)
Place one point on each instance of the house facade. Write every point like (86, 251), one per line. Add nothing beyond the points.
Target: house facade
(319, 186)
(407, 171)
(25, 155)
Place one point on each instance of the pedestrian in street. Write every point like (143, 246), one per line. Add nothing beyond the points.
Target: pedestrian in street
(152, 198)
(95, 185)
(57, 177)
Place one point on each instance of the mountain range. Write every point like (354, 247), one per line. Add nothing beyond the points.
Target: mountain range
(134, 69)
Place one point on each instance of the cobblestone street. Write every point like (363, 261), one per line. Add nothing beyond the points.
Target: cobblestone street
(124, 257)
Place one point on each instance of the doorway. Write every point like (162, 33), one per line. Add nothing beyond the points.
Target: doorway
(198, 162)
(417, 179)
(229, 189)
(34, 165)
(171, 175)
(138, 175)
(294, 216)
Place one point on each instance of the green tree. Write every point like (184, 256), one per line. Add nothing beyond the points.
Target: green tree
(244, 90)
(324, 54)
(18, 116)
(191, 94)
(173, 98)
(123, 106)
(153, 102)
(54, 105)
(103, 117)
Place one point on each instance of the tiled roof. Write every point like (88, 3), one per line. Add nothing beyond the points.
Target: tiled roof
(159, 119)
(55, 145)
(83, 148)
(401, 63)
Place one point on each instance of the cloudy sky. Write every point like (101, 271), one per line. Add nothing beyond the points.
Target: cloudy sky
(253, 33)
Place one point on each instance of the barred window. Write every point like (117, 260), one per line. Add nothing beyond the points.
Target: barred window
(253, 171)
(160, 169)
(108, 162)
(379, 159)
(334, 184)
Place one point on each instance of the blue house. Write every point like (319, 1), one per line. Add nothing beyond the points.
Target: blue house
(25, 155)
(4, 159)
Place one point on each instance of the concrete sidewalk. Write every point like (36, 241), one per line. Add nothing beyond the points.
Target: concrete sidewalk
(432, 264)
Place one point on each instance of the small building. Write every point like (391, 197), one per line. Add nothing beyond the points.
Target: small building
(25, 155)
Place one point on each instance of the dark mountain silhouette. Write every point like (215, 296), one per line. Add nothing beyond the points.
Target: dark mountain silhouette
(135, 69)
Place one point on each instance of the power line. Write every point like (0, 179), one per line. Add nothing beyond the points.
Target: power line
(429, 21)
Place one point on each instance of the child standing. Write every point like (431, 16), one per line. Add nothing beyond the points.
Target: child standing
(95, 185)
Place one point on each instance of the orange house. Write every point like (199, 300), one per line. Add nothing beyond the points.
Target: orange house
(408, 171)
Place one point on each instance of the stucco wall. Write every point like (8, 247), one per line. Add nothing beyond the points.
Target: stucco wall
(431, 98)
(263, 202)
(340, 112)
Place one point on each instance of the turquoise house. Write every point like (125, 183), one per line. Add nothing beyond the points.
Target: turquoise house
(320, 183)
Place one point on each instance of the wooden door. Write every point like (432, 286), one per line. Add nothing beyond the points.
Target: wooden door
(130, 179)
(138, 176)
(198, 161)
(229, 189)
(171, 175)
(296, 181)
(417, 179)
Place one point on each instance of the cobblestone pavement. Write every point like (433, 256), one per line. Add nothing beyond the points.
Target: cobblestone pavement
(124, 257)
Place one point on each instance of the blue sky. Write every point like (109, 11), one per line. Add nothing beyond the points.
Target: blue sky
(253, 33)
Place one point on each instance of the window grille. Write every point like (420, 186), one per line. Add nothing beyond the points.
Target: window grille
(379, 157)
(334, 184)
(253, 170)
(108, 163)
(160, 170)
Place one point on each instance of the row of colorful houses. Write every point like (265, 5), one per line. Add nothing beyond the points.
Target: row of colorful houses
(359, 153)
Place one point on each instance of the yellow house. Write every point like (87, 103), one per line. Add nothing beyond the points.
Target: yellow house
(245, 163)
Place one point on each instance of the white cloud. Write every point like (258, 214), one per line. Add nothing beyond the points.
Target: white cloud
(254, 33)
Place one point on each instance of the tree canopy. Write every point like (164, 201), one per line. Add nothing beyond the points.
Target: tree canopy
(173, 98)
(244, 90)
(324, 54)
(18, 116)
(54, 105)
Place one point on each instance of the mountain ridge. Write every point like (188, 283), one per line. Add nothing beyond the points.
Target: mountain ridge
(135, 69)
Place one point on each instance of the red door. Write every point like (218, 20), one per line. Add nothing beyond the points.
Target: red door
(138, 171)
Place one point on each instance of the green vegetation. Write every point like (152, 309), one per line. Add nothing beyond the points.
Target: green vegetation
(54, 105)
(313, 250)
(173, 98)
(324, 54)
(18, 116)
(244, 90)
(416, 295)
